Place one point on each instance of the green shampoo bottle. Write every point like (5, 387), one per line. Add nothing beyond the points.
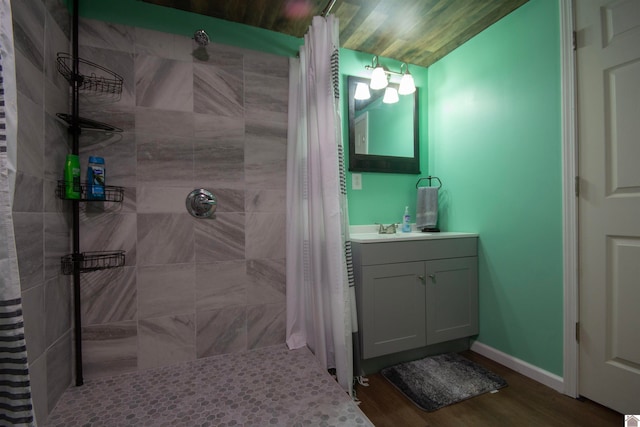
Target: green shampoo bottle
(72, 177)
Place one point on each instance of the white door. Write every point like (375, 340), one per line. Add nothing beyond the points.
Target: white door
(608, 68)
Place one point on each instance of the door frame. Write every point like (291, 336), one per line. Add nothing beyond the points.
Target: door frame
(570, 187)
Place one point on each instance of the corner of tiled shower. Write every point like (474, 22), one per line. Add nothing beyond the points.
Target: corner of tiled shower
(190, 288)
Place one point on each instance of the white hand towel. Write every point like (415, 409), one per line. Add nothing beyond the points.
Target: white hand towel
(427, 207)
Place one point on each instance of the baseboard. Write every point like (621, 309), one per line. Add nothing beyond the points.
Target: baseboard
(528, 370)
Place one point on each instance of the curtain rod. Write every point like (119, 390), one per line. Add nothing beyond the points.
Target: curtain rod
(327, 9)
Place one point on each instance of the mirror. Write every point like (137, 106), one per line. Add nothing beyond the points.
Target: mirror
(383, 137)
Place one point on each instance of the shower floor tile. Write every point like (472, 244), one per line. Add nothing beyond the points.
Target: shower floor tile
(267, 387)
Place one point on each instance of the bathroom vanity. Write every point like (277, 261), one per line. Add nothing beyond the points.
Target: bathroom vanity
(414, 290)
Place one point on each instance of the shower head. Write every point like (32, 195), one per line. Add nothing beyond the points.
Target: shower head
(201, 37)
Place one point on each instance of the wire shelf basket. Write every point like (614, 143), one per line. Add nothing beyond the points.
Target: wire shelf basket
(91, 77)
(92, 261)
(88, 124)
(111, 193)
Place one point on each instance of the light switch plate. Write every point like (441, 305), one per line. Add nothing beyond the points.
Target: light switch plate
(356, 181)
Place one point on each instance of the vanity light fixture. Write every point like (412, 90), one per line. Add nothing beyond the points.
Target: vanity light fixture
(390, 96)
(379, 79)
(362, 91)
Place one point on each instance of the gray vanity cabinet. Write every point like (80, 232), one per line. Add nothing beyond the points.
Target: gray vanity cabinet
(412, 294)
(393, 311)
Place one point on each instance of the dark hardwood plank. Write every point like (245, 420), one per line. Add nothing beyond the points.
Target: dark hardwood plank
(414, 31)
(524, 402)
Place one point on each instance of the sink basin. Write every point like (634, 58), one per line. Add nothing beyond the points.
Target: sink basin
(374, 237)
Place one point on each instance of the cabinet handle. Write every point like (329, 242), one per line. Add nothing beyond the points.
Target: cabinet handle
(432, 277)
(421, 279)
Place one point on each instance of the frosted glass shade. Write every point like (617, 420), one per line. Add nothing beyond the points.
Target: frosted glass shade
(362, 91)
(390, 96)
(378, 79)
(407, 85)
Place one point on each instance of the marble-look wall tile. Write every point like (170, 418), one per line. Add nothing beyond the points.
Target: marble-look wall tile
(108, 231)
(265, 200)
(56, 148)
(27, 193)
(56, 97)
(164, 161)
(57, 243)
(220, 239)
(109, 296)
(267, 281)
(34, 321)
(60, 14)
(152, 199)
(265, 235)
(219, 89)
(31, 137)
(229, 200)
(164, 122)
(38, 383)
(267, 64)
(163, 45)
(52, 203)
(221, 331)
(266, 93)
(29, 236)
(110, 349)
(166, 340)
(208, 126)
(29, 80)
(28, 23)
(55, 41)
(219, 163)
(165, 239)
(266, 325)
(221, 284)
(265, 155)
(106, 35)
(57, 299)
(163, 84)
(58, 369)
(166, 290)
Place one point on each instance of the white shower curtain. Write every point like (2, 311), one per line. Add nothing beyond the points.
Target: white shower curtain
(15, 391)
(320, 309)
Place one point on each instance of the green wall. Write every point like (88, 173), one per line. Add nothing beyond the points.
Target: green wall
(495, 141)
(383, 195)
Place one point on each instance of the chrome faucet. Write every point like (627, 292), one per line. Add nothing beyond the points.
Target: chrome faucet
(390, 229)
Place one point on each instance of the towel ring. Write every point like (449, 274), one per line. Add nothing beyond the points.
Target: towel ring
(430, 178)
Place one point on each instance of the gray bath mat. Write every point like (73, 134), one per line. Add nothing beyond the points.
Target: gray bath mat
(434, 382)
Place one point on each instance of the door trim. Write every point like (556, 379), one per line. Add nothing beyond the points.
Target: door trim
(569, 198)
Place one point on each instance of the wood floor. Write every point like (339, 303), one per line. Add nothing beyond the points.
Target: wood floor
(524, 402)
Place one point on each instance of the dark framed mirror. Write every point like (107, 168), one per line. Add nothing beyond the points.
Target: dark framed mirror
(383, 137)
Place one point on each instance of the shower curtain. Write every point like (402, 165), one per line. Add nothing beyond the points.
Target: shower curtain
(15, 392)
(320, 296)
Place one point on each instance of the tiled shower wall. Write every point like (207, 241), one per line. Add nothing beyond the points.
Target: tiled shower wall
(42, 222)
(213, 118)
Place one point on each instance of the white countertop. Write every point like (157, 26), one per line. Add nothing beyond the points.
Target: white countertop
(369, 234)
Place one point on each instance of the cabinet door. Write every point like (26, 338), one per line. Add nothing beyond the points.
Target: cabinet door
(393, 310)
(452, 299)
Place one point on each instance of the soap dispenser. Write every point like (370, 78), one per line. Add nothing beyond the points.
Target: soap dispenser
(406, 220)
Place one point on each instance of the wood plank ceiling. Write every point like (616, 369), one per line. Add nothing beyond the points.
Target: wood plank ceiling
(413, 31)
